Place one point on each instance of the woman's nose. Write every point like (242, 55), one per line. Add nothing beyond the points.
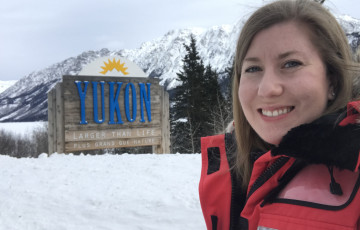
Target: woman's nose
(270, 85)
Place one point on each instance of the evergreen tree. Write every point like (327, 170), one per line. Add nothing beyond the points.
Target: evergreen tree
(194, 102)
(185, 126)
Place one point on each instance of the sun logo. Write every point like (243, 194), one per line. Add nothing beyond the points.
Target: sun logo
(109, 66)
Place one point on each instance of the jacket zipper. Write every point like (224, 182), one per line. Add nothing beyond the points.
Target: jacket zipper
(238, 197)
(238, 194)
(267, 174)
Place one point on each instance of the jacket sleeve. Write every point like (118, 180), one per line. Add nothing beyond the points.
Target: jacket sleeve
(215, 183)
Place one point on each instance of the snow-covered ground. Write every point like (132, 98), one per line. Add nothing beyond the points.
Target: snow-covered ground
(104, 192)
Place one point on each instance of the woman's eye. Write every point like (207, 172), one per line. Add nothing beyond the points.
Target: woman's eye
(252, 69)
(291, 64)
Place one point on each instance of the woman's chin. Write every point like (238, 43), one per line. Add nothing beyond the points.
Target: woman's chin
(272, 140)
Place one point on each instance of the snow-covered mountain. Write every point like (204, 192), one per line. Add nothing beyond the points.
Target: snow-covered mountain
(161, 58)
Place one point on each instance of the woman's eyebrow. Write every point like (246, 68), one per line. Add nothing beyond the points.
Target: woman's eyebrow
(251, 59)
(288, 53)
(280, 56)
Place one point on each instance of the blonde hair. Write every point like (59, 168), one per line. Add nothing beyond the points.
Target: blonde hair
(326, 35)
(356, 89)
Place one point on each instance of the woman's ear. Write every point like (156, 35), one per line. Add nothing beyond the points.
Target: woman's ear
(331, 93)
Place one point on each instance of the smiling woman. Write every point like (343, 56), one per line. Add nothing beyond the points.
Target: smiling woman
(292, 161)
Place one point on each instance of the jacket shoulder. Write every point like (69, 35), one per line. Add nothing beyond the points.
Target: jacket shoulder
(219, 187)
(353, 114)
(216, 151)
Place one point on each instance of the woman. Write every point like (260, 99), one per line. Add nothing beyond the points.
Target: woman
(296, 160)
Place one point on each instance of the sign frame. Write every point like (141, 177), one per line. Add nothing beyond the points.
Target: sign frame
(69, 132)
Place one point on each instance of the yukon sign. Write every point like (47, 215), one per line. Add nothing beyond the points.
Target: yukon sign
(114, 107)
(102, 111)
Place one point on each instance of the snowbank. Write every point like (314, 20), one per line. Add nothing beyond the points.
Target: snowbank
(107, 192)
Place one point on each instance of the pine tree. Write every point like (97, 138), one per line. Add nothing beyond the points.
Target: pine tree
(185, 124)
(193, 103)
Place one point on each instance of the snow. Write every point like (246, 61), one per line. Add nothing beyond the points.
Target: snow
(106, 192)
(4, 85)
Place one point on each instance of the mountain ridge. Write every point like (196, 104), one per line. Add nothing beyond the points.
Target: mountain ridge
(160, 58)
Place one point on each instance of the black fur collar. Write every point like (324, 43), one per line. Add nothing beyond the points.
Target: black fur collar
(323, 142)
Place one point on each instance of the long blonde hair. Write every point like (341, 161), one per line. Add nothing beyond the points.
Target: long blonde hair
(326, 35)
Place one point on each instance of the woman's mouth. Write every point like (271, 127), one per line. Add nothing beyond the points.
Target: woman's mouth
(276, 112)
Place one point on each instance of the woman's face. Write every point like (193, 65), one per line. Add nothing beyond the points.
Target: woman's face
(283, 81)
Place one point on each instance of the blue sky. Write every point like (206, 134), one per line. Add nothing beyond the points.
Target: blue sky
(35, 34)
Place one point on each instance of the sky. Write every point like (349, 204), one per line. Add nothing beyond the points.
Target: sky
(36, 34)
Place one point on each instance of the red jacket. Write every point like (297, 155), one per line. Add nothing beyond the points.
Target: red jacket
(310, 181)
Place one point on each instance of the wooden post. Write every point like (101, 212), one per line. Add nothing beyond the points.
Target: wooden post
(164, 146)
(165, 140)
(60, 135)
(51, 121)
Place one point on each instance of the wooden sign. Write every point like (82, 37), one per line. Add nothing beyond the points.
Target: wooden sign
(92, 112)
